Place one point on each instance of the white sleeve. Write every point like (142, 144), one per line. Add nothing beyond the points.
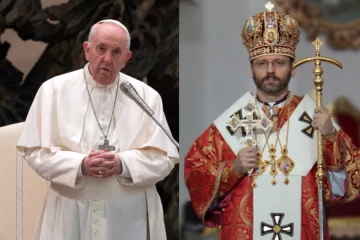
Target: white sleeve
(125, 171)
(337, 182)
(60, 167)
(146, 168)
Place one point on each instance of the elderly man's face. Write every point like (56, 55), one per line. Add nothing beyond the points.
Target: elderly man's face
(107, 53)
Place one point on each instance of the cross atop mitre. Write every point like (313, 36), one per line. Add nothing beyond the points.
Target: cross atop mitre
(269, 6)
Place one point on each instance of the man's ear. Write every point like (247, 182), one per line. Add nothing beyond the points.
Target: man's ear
(128, 56)
(293, 71)
(86, 49)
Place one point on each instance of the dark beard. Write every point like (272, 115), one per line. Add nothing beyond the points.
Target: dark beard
(281, 84)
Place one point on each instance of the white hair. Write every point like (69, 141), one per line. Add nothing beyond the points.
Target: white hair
(93, 28)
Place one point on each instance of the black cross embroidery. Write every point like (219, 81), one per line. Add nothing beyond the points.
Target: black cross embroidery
(309, 130)
(276, 228)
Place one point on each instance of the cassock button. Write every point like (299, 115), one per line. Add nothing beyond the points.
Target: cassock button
(95, 231)
(95, 221)
(95, 209)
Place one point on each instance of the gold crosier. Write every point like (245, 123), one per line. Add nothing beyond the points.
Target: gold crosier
(284, 163)
(318, 81)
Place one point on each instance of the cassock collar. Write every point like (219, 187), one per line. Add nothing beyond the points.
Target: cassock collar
(280, 102)
(90, 80)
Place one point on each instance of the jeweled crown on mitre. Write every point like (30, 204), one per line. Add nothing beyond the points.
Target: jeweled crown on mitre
(269, 33)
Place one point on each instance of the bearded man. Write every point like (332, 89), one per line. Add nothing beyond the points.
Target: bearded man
(267, 187)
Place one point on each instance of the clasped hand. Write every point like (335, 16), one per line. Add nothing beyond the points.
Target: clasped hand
(101, 164)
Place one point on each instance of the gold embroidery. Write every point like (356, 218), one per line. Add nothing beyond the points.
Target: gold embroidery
(225, 175)
(270, 33)
(331, 137)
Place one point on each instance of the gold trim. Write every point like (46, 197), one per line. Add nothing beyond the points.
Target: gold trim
(272, 54)
(175, 160)
(154, 149)
(159, 151)
(339, 226)
(331, 137)
(225, 175)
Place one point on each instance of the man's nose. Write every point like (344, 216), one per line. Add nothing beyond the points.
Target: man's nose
(107, 57)
(270, 67)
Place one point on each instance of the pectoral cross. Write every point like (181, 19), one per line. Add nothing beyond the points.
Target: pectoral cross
(251, 124)
(248, 123)
(106, 145)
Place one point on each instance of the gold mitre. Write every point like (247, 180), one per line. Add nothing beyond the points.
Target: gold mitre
(269, 33)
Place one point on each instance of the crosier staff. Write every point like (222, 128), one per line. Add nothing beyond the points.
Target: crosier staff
(318, 81)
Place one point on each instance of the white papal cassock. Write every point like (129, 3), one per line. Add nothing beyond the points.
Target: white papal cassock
(61, 129)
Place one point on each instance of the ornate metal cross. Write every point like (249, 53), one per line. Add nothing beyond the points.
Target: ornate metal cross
(249, 124)
(276, 229)
(106, 145)
(317, 43)
(269, 5)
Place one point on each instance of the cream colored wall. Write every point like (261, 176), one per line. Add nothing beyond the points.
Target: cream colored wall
(34, 187)
(7, 184)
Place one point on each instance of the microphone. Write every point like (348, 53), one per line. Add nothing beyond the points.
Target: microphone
(131, 92)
